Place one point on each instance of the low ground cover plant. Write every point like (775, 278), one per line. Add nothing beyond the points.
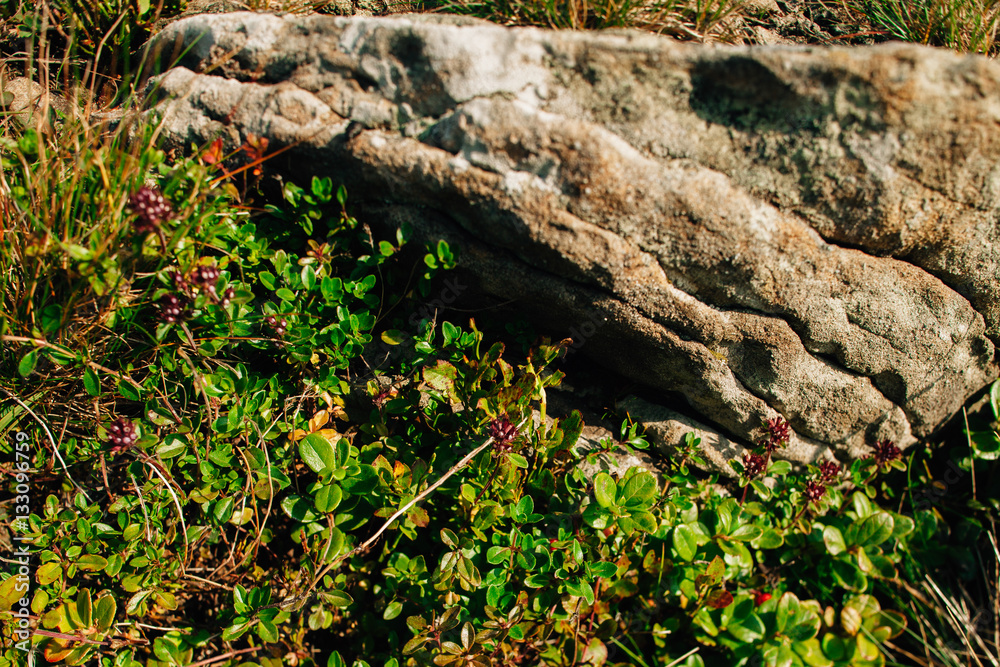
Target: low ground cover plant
(234, 433)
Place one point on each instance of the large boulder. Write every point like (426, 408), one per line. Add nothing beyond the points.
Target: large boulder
(805, 232)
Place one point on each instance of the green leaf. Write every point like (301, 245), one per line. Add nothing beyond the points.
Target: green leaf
(308, 275)
(572, 428)
(874, 530)
(224, 510)
(172, 445)
(126, 390)
(887, 624)
(267, 631)
(603, 569)
(338, 598)
(769, 539)
(60, 355)
(639, 491)
(85, 607)
(328, 498)
(317, 452)
(48, 573)
(524, 508)
(91, 382)
(596, 516)
(834, 647)
(849, 575)
(449, 538)
(236, 630)
(537, 581)
(267, 279)
(749, 630)
(812, 653)
(392, 610)
(518, 461)
(685, 542)
(746, 533)
(496, 555)
(862, 506)
(902, 526)
(104, 612)
(394, 337)
(644, 521)
(11, 591)
(92, 563)
(28, 363)
(779, 468)
(605, 489)
(788, 606)
(834, 540)
(298, 508)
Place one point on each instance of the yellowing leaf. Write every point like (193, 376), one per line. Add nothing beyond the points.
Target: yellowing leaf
(319, 420)
(12, 590)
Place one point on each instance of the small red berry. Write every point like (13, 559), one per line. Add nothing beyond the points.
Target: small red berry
(760, 597)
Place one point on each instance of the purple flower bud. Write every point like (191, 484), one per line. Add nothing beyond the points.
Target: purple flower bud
(503, 433)
(122, 434)
(814, 491)
(753, 464)
(173, 308)
(205, 277)
(152, 209)
(884, 452)
(778, 434)
(278, 326)
(829, 472)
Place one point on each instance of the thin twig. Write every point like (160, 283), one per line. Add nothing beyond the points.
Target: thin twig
(180, 512)
(270, 483)
(55, 447)
(972, 451)
(225, 656)
(142, 503)
(367, 544)
(41, 342)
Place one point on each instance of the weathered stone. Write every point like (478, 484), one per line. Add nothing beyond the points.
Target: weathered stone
(776, 230)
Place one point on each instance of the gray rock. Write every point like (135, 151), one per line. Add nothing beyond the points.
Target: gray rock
(810, 232)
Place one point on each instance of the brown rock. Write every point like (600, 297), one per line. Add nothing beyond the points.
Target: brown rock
(798, 231)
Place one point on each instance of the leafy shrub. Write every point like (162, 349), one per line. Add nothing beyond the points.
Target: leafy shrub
(247, 438)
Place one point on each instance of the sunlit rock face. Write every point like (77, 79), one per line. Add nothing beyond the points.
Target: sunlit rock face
(805, 232)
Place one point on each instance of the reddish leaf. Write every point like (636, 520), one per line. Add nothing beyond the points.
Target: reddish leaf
(213, 154)
(719, 599)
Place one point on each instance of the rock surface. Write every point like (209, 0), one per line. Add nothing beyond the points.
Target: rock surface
(810, 232)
